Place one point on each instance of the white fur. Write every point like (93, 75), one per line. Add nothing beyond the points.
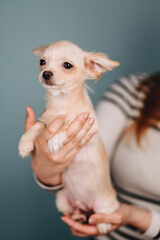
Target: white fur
(26, 144)
(56, 142)
(103, 227)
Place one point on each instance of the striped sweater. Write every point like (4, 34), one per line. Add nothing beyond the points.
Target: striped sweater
(134, 169)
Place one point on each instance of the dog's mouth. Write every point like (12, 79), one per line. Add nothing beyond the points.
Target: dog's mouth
(48, 82)
(51, 85)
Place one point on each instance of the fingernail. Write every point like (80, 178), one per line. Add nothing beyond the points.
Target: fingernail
(62, 218)
(85, 115)
(91, 120)
(91, 221)
(27, 110)
(66, 220)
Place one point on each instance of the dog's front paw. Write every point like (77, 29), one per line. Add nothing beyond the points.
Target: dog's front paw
(25, 146)
(103, 228)
(56, 142)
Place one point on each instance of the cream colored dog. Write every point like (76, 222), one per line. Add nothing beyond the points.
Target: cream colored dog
(64, 67)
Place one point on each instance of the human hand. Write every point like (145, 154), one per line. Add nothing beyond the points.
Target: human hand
(47, 166)
(126, 214)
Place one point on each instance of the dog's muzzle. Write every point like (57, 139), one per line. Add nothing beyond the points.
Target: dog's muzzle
(47, 75)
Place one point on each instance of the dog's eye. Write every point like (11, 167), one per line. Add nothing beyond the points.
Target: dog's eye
(67, 65)
(42, 62)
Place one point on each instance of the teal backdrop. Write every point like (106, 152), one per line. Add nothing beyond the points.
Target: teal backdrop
(128, 31)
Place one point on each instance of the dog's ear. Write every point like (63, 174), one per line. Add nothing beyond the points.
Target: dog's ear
(98, 63)
(39, 51)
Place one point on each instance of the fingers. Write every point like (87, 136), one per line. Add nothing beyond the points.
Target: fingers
(71, 152)
(83, 131)
(78, 234)
(76, 132)
(87, 230)
(30, 118)
(76, 126)
(81, 138)
(52, 128)
(84, 230)
(66, 214)
(71, 148)
(114, 218)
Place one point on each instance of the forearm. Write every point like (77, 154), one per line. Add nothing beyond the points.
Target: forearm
(140, 218)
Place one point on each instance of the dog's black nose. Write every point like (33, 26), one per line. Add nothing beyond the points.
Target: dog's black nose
(47, 75)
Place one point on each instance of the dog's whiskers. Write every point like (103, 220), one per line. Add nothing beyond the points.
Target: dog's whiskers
(90, 89)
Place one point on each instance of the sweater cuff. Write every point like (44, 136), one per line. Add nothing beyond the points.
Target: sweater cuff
(154, 228)
(51, 189)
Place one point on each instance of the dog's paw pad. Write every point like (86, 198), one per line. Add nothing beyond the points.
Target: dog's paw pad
(56, 142)
(103, 227)
(25, 147)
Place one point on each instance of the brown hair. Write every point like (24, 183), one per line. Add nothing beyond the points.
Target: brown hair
(150, 113)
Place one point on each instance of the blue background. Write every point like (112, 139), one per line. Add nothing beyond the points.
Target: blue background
(128, 31)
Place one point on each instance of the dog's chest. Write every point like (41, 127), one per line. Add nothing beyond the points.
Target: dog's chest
(68, 106)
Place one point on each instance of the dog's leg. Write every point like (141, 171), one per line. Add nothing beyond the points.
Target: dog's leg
(63, 205)
(62, 201)
(26, 144)
(104, 205)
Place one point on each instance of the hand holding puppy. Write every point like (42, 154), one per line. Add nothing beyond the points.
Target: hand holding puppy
(46, 166)
(125, 214)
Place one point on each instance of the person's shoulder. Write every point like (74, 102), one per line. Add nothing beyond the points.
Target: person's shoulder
(122, 94)
(127, 84)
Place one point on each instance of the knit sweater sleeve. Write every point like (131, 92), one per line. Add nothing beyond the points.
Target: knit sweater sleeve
(111, 124)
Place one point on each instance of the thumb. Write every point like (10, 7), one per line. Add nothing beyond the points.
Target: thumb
(30, 118)
(114, 218)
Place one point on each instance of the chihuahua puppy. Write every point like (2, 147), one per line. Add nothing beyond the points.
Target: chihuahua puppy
(64, 68)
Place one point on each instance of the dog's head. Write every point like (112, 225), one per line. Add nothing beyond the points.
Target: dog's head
(64, 66)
